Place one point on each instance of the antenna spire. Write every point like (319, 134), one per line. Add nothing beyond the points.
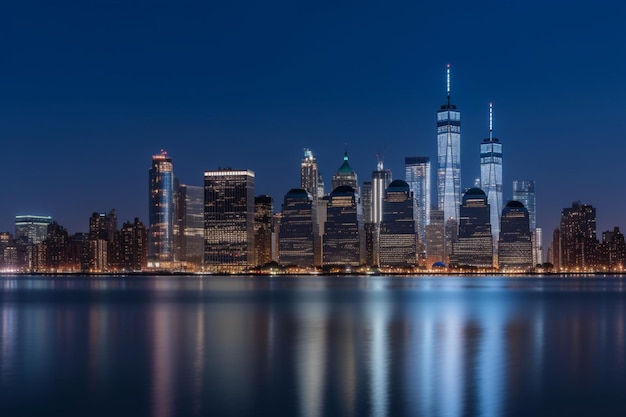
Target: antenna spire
(490, 121)
(448, 82)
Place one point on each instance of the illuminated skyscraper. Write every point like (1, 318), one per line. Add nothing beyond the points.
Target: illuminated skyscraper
(449, 157)
(346, 176)
(310, 177)
(475, 242)
(515, 240)
(417, 175)
(398, 242)
(381, 178)
(229, 220)
(491, 175)
(161, 210)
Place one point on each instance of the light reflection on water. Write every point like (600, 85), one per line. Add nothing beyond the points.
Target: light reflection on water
(312, 346)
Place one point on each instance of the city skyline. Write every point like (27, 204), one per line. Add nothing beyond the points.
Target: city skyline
(370, 77)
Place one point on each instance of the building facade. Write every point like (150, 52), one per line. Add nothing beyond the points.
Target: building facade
(474, 247)
(310, 177)
(344, 240)
(578, 239)
(515, 239)
(189, 230)
(263, 213)
(345, 175)
(229, 220)
(398, 240)
(297, 231)
(32, 229)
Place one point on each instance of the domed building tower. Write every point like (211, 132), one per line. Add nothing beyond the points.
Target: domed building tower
(346, 176)
(515, 242)
(474, 246)
(398, 240)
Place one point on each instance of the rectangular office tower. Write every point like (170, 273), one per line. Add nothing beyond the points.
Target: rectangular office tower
(229, 220)
(30, 229)
(417, 175)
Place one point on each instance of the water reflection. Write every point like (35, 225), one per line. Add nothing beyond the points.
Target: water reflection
(312, 346)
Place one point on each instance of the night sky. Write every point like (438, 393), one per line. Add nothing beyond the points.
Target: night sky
(90, 90)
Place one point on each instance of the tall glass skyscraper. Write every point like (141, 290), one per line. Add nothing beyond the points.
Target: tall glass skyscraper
(524, 192)
(417, 175)
(344, 240)
(189, 230)
(161, 210)
(229, 220)
(449, 157)
(491, 175)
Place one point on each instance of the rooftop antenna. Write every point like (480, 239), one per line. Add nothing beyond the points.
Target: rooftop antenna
(491, 121)
(448, 82)
(345, 154)
(379, 163)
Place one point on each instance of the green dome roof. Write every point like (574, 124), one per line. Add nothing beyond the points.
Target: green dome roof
(345, 168)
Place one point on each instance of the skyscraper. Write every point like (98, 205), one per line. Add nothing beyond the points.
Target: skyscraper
(475, 242)
(515, 240)
(310, 177)
(491, 175)
(189, 230)
(346, 176)
(524, 192)
(417, 175)
(449, 157)
(578, 245)
(263, 213)
(296, 236)
(32, 229)
(133, 238)
(229, 220)
(161, 210)
(398, 242)
(381, 178)
(344, 240)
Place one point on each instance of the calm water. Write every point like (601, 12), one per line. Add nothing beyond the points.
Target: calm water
(188, 346)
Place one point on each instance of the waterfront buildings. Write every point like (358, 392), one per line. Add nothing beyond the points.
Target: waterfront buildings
(474, 247)
(229, 220)
(449, 160)
(161, 211)
(398, 243)
(297, 230)
(515, 239)
(344, 240)
(491, 175)
(417, 175)
(435, 239)
(613, 250)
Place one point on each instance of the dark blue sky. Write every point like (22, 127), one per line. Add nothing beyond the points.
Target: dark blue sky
(90, 90)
